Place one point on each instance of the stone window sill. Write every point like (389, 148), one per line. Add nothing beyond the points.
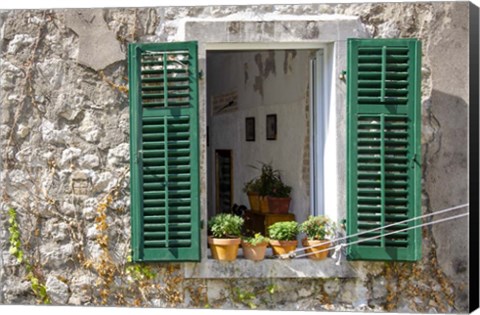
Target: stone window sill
(268, 268)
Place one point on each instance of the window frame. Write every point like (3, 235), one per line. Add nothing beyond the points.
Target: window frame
(216, 34)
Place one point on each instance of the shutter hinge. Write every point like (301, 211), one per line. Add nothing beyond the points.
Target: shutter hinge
(200, 74)
(202, 224)
(139, 156)
(414, 161)
(343, 76)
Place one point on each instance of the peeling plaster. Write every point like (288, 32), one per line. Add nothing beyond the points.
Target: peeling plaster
(258, 85)
(289, 56)
(98, 46)
(270, 64)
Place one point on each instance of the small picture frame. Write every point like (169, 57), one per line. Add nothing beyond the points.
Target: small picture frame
(272, 127)
(250, 129)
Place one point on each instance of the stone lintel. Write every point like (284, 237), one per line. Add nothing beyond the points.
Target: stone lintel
(301, 29)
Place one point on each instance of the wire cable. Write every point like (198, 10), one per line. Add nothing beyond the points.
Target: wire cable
(293, 255)
(389, 233)
(384, 227)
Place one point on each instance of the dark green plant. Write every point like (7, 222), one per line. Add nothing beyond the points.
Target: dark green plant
(318, 228)
(226, 226)
(257, 239)
(279, 189)
(252, 186)
(269, 183)
(283, 231)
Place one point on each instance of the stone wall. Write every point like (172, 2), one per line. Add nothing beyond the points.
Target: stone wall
(64, 131)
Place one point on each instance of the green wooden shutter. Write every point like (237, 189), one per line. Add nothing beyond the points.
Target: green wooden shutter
(383, 147)
(164, 151)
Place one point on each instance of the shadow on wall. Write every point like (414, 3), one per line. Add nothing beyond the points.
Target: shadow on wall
(445, 182)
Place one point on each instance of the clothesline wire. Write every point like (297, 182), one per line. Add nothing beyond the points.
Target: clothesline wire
(292, 253)
(289, 255)
(386, 226)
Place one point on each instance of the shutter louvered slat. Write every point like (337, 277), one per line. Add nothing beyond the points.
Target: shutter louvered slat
(162, 235)
(383, 113)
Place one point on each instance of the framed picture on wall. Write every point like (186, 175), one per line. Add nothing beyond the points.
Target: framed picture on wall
(272, 127)
(250, 129)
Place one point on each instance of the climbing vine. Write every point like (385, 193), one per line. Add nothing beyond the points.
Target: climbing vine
(248, 297)
(403, 279)
(113, 85)
(36, 284)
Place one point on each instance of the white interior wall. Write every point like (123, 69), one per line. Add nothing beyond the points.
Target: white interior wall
(284, 94)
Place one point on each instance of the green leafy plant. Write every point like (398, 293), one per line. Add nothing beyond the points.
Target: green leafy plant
(256, 240)
(245, 297)
(283, 231)
(139, 272)
(269, 183)
(318, 228)
(252, 186)
(226, 226)
(15, 243)
(38, 288)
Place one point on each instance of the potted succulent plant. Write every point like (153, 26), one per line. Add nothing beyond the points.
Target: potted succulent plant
(318, 230)
(225, 239)
(254, 247)
(283, 237)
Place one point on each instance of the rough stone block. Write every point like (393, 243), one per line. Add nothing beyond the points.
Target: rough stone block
(119, 155)
(57, 290)
(89, 161)
(104, 181)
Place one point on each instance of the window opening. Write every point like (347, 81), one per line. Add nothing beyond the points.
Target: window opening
(255, 84)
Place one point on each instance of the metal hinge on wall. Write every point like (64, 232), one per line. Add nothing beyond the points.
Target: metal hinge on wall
(139, 156)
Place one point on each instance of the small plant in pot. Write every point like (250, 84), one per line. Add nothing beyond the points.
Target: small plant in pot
(278, 197)
(319, 230)
(225, 239)
(283, 237)
(254, 247)
(274, 194)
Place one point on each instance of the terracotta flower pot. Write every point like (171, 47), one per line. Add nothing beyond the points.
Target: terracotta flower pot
(274, 205)
(320, 245)
(278, 205)
(254, 252)
(225, 249)
(283, 247)
(254, 200)
(263, 204)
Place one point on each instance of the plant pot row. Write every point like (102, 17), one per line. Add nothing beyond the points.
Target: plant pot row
(224, 245)
(227, 249)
